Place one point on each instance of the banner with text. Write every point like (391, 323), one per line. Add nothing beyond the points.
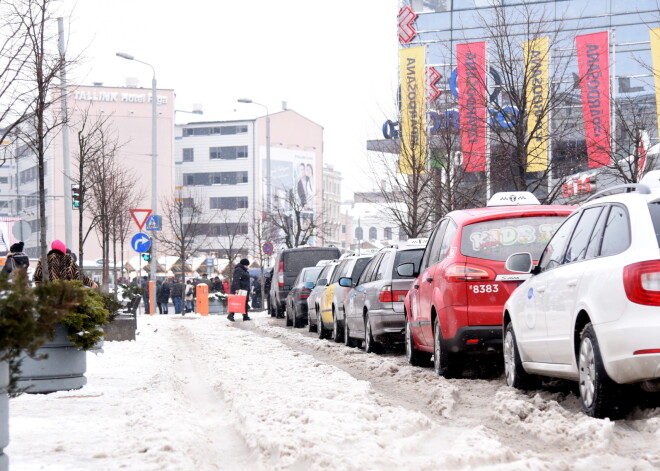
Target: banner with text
(594, 69)
(471, 65)
(655, 58)
(536, 54)
(412, 70)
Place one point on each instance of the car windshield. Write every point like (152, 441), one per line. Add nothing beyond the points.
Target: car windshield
(407, 256)
(299, 259)
(654, 208)
(497, 239)
(311, 274)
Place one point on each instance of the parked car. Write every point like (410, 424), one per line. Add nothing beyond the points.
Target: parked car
(591, 310)
(314, 299)
(288, 264)
(296, 300)
(375, 302)
(334, 296)
(455, 304)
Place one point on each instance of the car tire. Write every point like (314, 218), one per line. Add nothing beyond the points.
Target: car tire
(296, 321)
(514, 373)
(600, 396)
(348, 340)
(322, 332)
(444, 363)
(414, 356)
(310, 327)
(370, 345)
(288, 321)
(271, 311)
(337, 334)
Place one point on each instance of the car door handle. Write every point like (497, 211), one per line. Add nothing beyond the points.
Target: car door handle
(572, 282)
(429, 279)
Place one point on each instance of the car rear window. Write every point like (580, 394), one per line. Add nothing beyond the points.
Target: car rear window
(406, 256)
(497, 239)
(311, 274)
(297, 260)
(654, 209)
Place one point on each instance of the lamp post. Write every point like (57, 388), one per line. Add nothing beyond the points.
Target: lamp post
(154, 159)
(268, 184)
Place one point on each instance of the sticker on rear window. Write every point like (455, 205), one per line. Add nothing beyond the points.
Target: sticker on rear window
(521, 235)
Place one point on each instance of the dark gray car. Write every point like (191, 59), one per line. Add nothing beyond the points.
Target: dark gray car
(374, 308)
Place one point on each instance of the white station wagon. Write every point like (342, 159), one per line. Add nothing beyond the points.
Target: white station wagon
(590, 311)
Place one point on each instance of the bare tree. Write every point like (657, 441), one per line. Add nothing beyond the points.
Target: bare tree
(187, 225)
(260, 233)
(232, 236)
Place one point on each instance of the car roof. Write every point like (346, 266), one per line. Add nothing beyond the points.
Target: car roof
(464, 216)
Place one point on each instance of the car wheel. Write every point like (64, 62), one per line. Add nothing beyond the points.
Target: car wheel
(600, 396)
(515, 374)
(310, 327)
(370, 345)
(414, 356)
(288, 321)
(348, 341)
(297, 323)
(271, 311)
(444, 363)
(337, 334)
(320, 329)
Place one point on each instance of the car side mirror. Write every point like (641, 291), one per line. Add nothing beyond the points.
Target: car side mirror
(309, 284)
(406, 269)
(345, 282)
(519, 262)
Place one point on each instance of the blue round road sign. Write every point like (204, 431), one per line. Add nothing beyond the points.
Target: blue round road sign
(141, 242)
(267, 248)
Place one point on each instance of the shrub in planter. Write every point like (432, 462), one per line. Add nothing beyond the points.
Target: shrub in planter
(86, 319)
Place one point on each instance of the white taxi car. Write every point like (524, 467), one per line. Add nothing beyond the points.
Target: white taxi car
(590, 312)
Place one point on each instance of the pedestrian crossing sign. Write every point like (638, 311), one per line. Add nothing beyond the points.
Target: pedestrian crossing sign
(153, 223)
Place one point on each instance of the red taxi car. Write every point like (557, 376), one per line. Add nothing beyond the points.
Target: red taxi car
(455, 304)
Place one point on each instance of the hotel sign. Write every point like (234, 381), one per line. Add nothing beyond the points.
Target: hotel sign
(124, 97)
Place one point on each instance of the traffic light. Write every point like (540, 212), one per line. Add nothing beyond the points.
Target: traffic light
(75, 196)
(146, 256)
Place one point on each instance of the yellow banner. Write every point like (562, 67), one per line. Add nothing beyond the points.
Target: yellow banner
(412, 70)
(655, 58)
(537, 58)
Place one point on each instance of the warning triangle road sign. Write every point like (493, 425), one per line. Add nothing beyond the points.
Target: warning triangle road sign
(140, 216)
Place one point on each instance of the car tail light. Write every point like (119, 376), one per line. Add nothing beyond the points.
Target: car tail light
(389, 296)
(304, 293)
(642, 282)
(280, 273)
(463, 272)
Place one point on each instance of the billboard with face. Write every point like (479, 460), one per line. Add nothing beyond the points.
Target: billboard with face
(293, 180)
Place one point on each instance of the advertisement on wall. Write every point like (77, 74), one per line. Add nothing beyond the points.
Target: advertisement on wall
(293, 180)
(471, 62)
(594, 68)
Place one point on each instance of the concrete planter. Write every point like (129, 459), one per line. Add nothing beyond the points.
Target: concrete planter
(4, 415)
(217, 307)
(63, 368)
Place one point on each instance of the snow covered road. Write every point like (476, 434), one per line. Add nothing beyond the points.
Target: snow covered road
(201, 393)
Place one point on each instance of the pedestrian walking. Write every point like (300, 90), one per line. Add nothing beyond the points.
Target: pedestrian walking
(241, 281)
(16, 260)
(61, 267)
(190, 296)
(177, 291)
(163, 296)
(144, 284)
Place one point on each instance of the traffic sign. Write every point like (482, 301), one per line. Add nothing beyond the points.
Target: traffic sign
(141, 242)
(21, 230)
(210, 262)
(267, 248)
(153, 223)
(140, 216)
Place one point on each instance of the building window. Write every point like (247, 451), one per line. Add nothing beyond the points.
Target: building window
(209, 131)
(388, 233)
(224, 230)
(188, 154)
(373, 233)
(229, 203)
(228, 152)
(402, 234)
(4, 180)
(343, 228)
(224, 130)
(358, 233)
(216, 178)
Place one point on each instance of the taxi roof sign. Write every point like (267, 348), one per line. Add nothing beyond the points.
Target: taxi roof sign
(512, 198)
(418, 242)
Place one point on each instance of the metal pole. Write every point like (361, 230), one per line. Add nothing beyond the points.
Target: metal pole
(154, 173)
(66, 162)
(268, 180)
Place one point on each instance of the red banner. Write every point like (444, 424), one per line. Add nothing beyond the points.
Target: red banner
(593, 51)
(471, 64)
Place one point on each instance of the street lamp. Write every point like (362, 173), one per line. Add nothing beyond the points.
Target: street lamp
(154, 158)
(268, 185)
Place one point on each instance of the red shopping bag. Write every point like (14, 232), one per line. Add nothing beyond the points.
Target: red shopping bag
(236, 303)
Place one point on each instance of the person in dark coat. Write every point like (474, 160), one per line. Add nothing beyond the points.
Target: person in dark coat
(16, 260)
(163, 296)
(61, 267)
(144, 284)
(177, 291)
(241, 281)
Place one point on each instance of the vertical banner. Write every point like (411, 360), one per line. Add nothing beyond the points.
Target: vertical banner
(655, 58)
(412, 70)
(471, 64)
(594, 68)
(536, 56)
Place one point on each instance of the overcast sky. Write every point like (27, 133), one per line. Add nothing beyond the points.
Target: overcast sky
(334, 62)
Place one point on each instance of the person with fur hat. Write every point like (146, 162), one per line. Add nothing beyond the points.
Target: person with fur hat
(16, 259)
(241, 281)
(61, 266)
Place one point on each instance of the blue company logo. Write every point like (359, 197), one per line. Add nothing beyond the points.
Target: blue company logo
(530, 293)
